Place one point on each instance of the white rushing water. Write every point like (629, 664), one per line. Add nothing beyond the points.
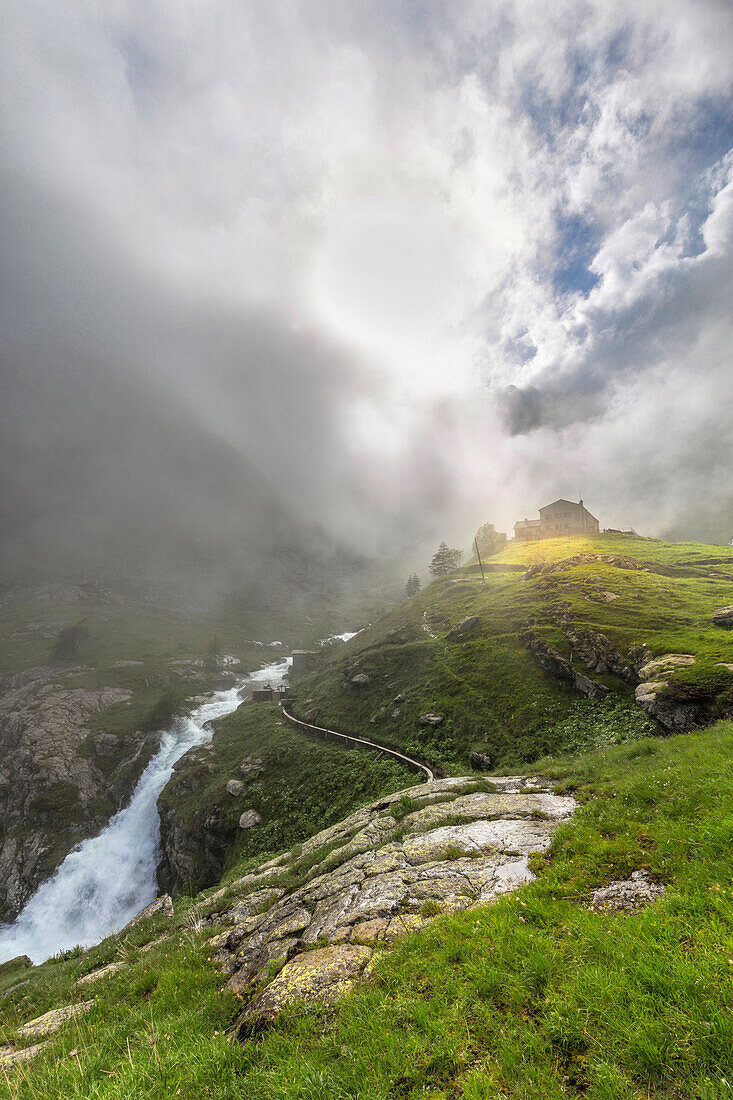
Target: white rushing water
(109, 878)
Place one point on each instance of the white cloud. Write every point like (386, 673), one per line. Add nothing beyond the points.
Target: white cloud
(397, 181)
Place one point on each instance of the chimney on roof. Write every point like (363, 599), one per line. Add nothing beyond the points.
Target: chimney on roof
(580, 502)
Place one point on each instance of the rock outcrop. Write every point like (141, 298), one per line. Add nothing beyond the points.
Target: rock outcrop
(597, 652)
(555, 665)
(55, 775)
(626, 895)
(384, 871)
(723, 617)
(194, 851)
(544, 568)
(665, 665)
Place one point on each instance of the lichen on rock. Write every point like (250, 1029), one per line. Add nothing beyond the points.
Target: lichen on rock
(374, 877)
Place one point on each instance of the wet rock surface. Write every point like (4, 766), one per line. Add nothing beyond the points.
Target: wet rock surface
(307, 925)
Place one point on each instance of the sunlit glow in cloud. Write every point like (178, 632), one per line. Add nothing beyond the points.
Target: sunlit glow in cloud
(388, 278)
(450, 251)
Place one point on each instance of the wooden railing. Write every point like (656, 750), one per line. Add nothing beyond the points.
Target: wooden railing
(350, 739)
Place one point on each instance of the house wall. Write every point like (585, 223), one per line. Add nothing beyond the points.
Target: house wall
(556, 522)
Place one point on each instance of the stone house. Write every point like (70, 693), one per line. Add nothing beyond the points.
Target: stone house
(562, 518)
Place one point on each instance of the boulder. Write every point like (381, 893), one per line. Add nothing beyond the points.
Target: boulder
(430, 719)
(481, 761)
(723, 617)
(624, 896)
(665, 665)
(235, 787)
(672, 716)
(466, 626)
(249, 819)
(323, 975)
(361, 680)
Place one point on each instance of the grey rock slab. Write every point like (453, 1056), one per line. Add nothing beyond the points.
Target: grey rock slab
(10, 1056)
(249, 819)
(50, 1022)
(254, 904)
(103, 972)
(254, 964)
(483, 805)
(522, 836)
(665, 665)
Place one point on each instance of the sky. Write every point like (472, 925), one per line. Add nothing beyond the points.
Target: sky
(425, 264)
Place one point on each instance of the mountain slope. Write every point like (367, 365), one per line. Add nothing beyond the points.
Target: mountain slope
(544, 656)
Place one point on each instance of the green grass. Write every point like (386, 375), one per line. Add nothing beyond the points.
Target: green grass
(305, 786)
(534, 996)
(494, 697)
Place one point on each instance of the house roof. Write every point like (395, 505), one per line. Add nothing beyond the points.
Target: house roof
(570, 503)
(567, 504)
(528, 523)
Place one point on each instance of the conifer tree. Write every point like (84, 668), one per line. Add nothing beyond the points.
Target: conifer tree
(413, 585)
(445, 560)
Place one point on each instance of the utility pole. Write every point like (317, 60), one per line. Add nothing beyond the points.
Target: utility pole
(478, 555)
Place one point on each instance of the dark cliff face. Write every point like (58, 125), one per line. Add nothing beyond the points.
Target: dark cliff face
(194, 845)
(194, 853)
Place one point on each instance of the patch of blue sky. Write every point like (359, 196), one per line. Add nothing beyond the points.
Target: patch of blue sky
(577, 243)
(709, 134)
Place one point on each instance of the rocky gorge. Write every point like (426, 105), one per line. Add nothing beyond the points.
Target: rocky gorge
(59, 780)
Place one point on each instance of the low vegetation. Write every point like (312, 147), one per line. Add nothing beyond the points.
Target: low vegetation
(485, 683)
(297, 786)
(536, 995)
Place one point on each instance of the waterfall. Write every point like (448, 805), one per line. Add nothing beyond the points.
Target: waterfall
(108, 878)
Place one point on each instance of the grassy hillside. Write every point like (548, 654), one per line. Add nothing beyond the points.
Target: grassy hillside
(534, 996)
(297, 786)
(492, 694)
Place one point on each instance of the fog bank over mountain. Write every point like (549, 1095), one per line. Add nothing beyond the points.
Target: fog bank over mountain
(386, 268)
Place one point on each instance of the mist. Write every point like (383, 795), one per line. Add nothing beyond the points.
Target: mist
(336, 281)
